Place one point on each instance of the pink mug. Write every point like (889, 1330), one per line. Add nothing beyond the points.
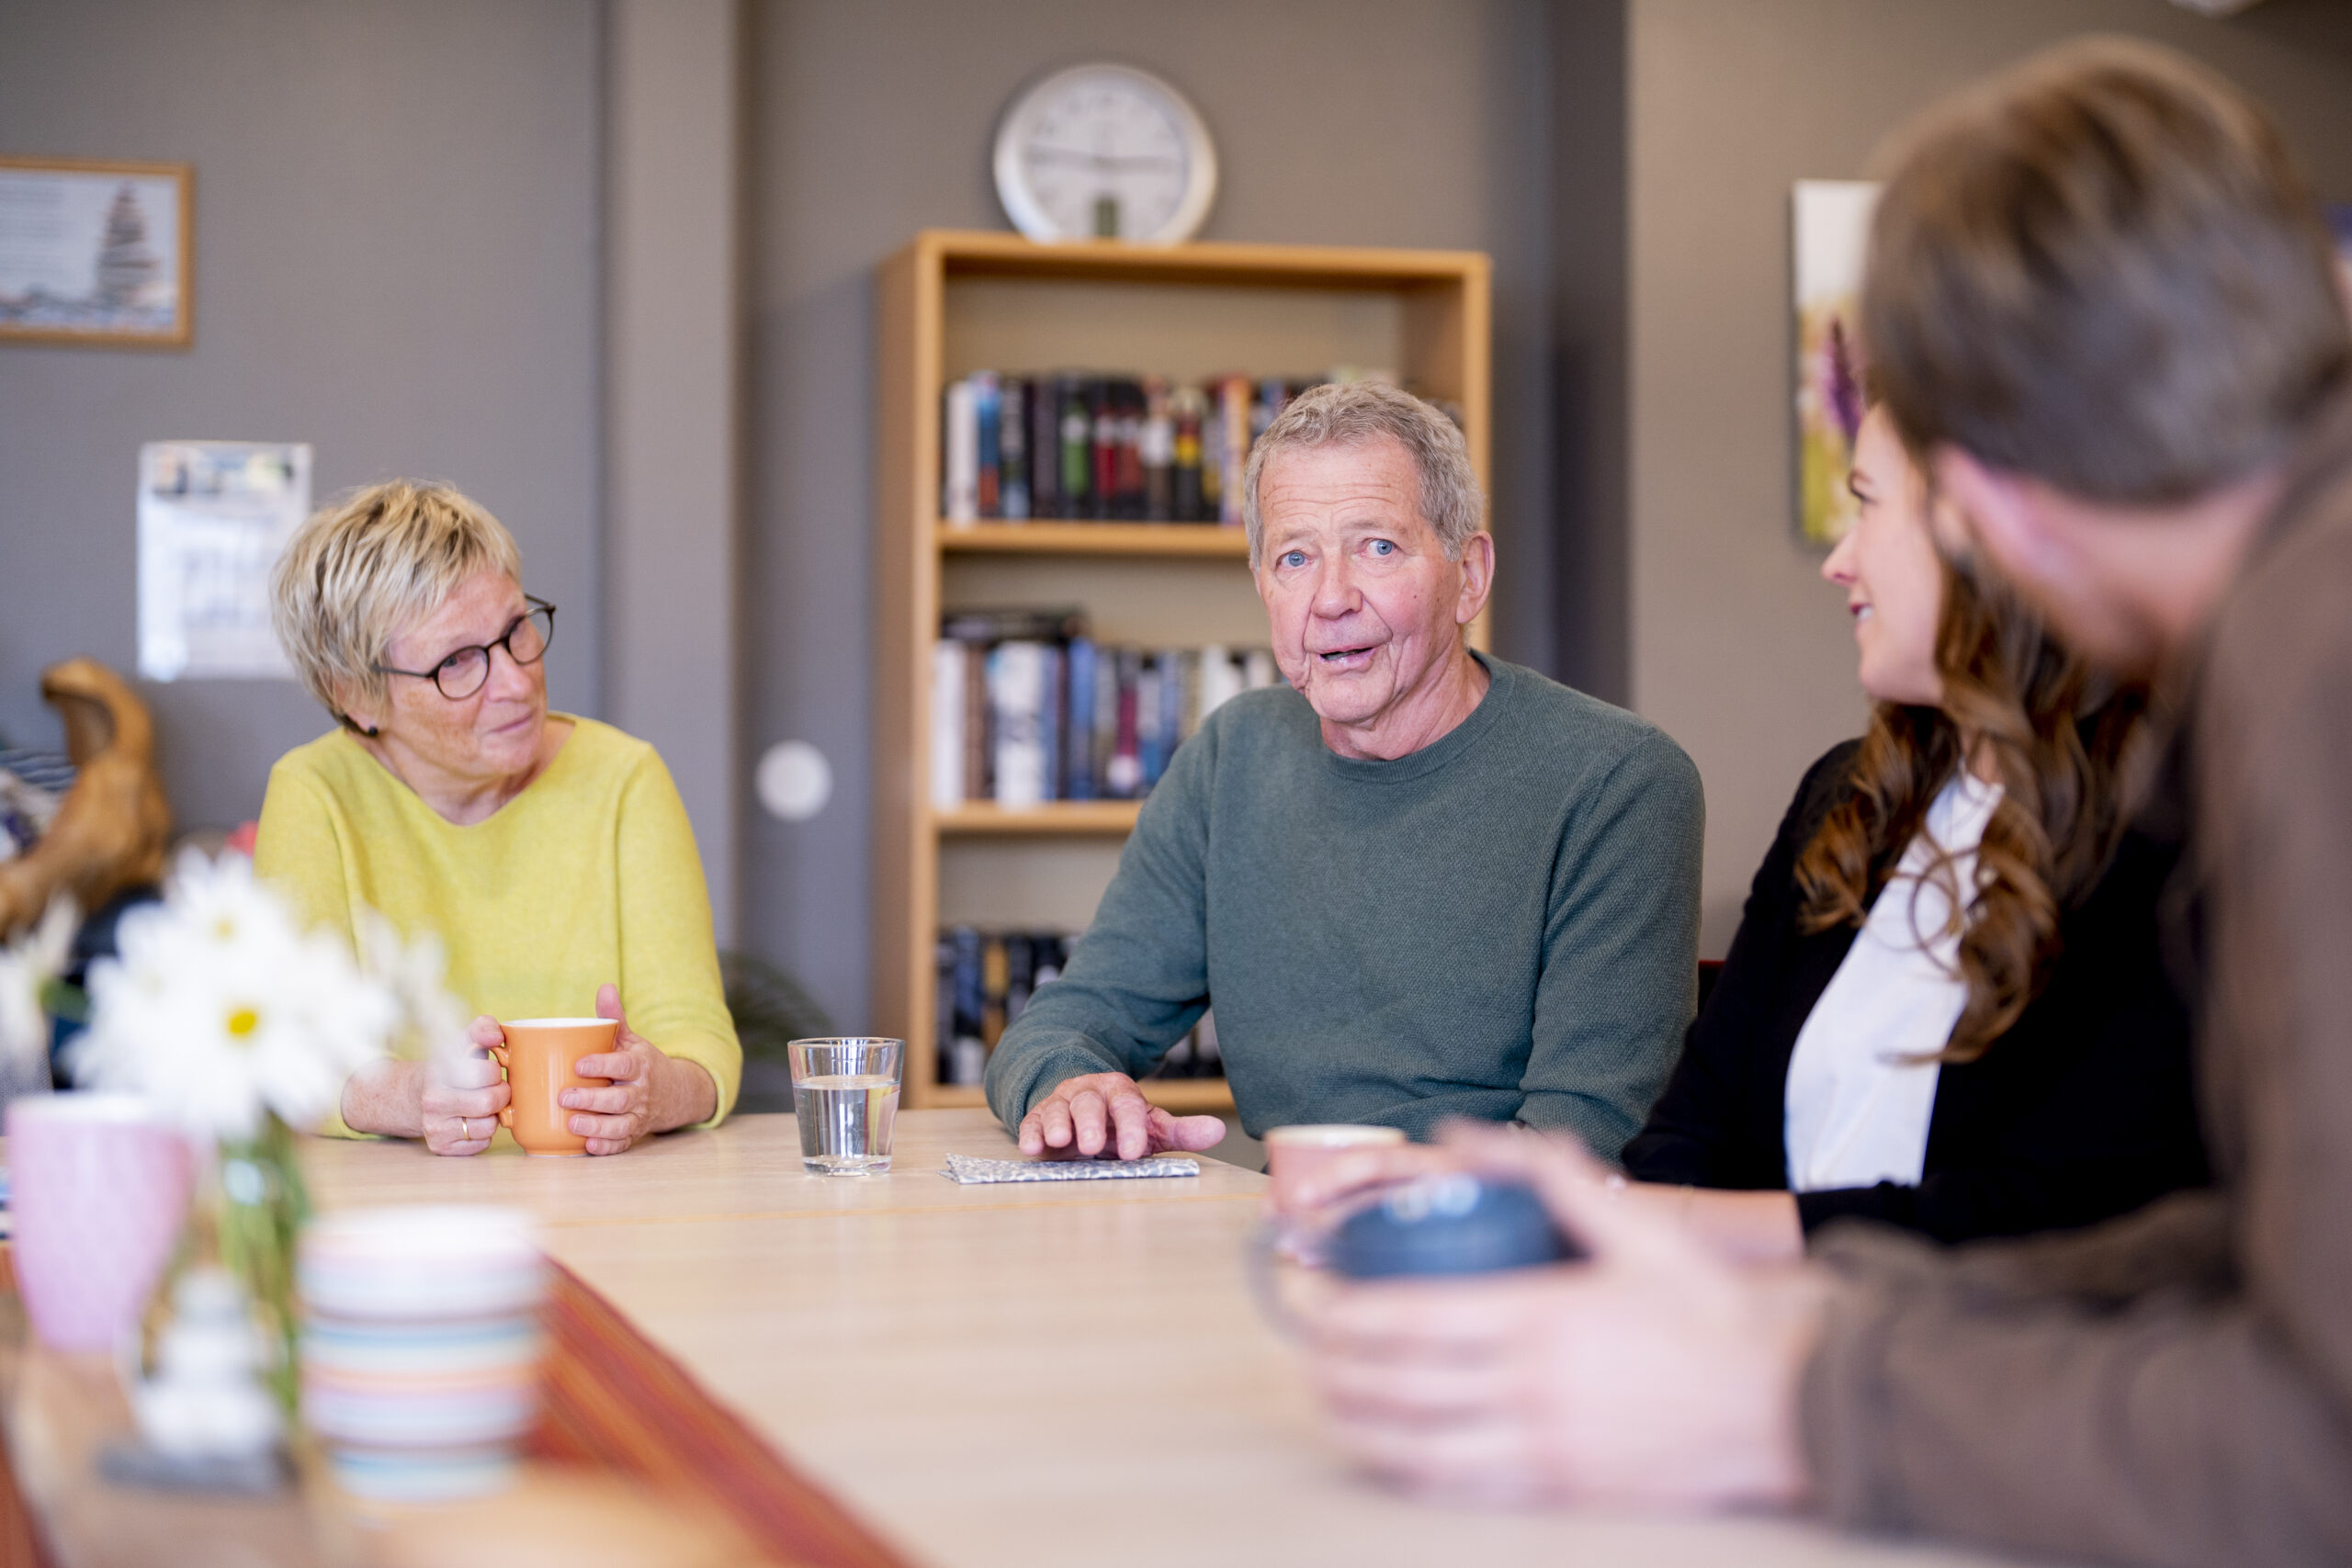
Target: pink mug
(99, 1188)
(1297, 1153)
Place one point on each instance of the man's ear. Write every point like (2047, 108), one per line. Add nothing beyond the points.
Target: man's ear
(1975, 505)
(1477, 577)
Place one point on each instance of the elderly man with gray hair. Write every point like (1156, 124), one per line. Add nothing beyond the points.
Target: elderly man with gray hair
(1416, 881)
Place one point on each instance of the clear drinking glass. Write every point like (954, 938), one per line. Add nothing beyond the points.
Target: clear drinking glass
(846, 1094)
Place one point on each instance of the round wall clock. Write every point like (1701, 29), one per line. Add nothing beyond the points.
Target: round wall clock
(1104, 152)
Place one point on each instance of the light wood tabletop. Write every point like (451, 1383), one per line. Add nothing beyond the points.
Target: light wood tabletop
(1025, 1373)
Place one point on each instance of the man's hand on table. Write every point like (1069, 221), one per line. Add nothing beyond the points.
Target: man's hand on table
(651, 1092)
(1655, 1373)
(1106, 1114)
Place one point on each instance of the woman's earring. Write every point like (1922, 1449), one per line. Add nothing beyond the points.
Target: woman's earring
(369, 730)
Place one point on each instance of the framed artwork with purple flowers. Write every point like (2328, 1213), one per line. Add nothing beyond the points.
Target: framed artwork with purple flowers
(1830, 225)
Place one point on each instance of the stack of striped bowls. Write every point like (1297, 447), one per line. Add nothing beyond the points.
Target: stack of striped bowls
(421, 1347)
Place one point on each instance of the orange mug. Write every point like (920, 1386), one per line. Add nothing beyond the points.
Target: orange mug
(538, 1056)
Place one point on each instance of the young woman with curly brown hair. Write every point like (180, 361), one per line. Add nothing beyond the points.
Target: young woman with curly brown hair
(1946, 1008)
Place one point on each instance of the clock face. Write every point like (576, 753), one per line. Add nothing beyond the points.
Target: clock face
(1104, 152)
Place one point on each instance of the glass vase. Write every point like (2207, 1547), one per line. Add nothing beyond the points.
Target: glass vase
(247, 1218)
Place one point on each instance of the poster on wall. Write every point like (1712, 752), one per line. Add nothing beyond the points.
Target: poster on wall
(213, 517)
(95, 252)
(1830, 224)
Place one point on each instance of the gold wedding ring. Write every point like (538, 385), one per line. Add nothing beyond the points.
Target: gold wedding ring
(465, 1130)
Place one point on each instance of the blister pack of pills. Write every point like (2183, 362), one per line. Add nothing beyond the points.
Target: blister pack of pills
(968, 1170)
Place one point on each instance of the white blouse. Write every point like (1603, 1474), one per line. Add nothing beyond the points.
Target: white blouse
(1859, 1096)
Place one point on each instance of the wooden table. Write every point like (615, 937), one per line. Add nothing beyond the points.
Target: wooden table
(1031, 1374)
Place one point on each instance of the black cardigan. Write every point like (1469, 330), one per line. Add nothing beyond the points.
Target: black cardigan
(2084, 1110)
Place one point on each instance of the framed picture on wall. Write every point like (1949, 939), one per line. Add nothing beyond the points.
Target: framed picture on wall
(1830, 223)
(95, 252)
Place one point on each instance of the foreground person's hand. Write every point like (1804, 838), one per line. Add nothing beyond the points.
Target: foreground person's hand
(1361, 1170)
(650, 1092)
(1105, 1112)
(1654, 1373)
(462, 1093)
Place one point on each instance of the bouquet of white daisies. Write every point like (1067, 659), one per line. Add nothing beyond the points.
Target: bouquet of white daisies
(240, 1026)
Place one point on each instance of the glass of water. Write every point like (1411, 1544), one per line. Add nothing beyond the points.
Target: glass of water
(846, 1094)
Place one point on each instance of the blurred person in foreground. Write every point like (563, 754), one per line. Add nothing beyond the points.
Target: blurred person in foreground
(550, 854)
(2103, 311)
(1879, 1046)
(1415, 882)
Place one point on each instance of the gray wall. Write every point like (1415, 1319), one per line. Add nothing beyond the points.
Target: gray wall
(1586, 341)
(1338, 122)
(1737, 649)
(398, 233)
(674, 337)
(396, 260)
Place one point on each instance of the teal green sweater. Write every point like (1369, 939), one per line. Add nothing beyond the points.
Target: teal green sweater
(1503, 925)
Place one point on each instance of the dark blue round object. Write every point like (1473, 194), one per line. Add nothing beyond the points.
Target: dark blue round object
(1455, 1223)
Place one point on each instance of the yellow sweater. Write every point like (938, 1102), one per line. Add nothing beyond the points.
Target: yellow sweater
(589, 876)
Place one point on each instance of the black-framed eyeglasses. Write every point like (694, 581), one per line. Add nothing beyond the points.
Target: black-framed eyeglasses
(462, 673)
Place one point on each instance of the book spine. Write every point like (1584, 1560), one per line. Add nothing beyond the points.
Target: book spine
(987, 408)
(1125, 772)
(975, 724)
(1181, 671)
(1157, 448)
(1020, 974)
(1104, 476)
(1150, 691)
(1184, 456)
(1167, 713)
(1077, 446)
(1106, 722)
(1044, 448)
(959, 500)
(947, 723)
(1017, 698)
(968, 1054)
(1078, 753)
(1049, 722)
(1234, 415)
(1220, 681)
(942, 1007)
(1130, 489)
(992, 985)
(1012, 451)
(1189, 666)
(1274, 395)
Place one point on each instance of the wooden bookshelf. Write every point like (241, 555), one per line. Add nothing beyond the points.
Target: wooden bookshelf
(950, 303)
(1053, 816)
(1194, 540)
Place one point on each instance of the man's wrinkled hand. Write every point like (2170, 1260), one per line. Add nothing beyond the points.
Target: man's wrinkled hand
(1106, 1114)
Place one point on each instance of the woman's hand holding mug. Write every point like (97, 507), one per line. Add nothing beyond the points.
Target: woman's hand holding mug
(463, 1093)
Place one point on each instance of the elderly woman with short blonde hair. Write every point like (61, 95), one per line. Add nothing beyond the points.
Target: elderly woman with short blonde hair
(549, 854)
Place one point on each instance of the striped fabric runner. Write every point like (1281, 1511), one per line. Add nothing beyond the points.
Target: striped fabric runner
(612, 1400)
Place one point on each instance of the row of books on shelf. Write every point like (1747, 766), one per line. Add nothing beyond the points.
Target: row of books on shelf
(1027, 707)
(1097, 448)
(986, 978)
